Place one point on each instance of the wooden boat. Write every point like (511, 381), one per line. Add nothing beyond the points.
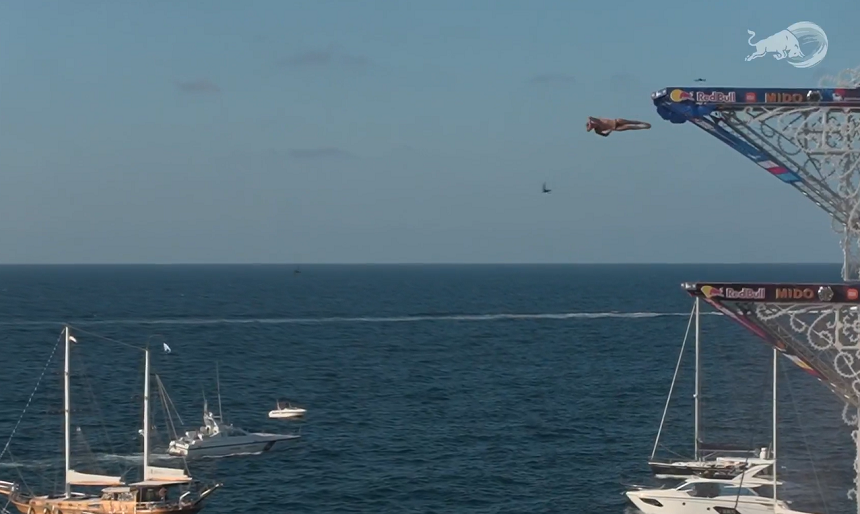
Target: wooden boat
(162, 490)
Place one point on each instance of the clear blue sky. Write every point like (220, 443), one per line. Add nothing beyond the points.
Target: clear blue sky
(390, 131)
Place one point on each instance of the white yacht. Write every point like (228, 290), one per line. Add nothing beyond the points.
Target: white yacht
(746, 493)
(285, 410)
(754, 491)
(218, 439)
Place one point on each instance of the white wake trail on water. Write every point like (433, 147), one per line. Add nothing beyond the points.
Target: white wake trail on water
(363, 319)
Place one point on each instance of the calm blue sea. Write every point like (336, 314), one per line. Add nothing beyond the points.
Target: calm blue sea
(429, 389)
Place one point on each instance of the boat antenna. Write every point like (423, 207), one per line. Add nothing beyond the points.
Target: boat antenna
(218, 385)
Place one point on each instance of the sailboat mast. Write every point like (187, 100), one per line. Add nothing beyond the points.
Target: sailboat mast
(696, 393)
(773, 452)
(67, 411)
(146, 418)
(218, 385)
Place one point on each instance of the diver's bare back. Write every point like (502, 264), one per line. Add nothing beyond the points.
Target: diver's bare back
(605, 126)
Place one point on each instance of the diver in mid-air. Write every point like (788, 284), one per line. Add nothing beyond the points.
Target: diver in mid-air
(605, 126)
(545, 190)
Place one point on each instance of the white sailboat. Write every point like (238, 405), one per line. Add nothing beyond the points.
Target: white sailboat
(713, 461)
(751, 492)
(150, 495)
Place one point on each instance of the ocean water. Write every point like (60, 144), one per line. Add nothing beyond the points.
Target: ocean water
(429, 389)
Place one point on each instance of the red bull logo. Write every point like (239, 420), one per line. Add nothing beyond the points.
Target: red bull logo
(851, 294)
(717, 97)
(746, 293)
(712, 292)
(678, 95)
(751, 97)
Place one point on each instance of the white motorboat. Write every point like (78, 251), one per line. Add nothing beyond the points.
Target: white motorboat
(284, 410)
(215, 439)
(218, 439)
(746, 493)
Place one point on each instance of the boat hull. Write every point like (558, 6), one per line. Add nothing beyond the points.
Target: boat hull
(95, 505)
(286, 414)
(227, 447)
(653, 502)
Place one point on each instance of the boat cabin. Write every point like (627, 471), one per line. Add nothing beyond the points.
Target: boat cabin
(714, 489)
(151, 491)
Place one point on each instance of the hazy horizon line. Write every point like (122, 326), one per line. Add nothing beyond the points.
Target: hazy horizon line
(749, 263)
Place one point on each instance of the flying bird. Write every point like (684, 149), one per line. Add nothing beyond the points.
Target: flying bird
(699, 80)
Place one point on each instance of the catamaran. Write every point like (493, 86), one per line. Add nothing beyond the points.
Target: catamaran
(151, 495)
(750, 492)
(710, 460)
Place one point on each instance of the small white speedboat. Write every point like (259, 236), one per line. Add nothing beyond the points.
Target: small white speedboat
(284, 410)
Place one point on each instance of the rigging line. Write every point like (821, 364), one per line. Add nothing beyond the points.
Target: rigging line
(167, 419)
(105, 338)
(30, 399)
(21, 475)
(82, 438)
(163, 394)
(674, 453)
(672, 387)
(764, 389)
(95, 403)
(805, 439)
(175, 410)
